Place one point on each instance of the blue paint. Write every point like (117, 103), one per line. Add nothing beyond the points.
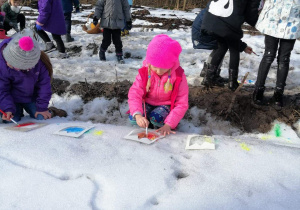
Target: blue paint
(294, 29)
(289, 24)
(73, 129)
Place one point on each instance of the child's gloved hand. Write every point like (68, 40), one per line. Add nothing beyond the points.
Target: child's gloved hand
(165, 130)
(141, 121)
(46, 114)
(129, 24)
(38, 27)
(8, 116)
(77, 9)
(95, 20)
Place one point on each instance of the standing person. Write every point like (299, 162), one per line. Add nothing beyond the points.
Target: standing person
(12, 15)
(127, 27)
(25, 75)
(201, 40)
(67, 9)
(112, 14)
(161, 84)
(280, 22)
(51, 19)
(224, 20)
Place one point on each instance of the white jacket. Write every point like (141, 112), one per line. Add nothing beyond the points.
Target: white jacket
(280, 19)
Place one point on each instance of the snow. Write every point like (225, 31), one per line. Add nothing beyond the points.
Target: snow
(101, 170)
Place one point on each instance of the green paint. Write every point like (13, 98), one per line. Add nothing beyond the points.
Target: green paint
(277, 130)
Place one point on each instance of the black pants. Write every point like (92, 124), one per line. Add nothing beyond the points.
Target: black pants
(115, 36)
(283, 60)
(57, 38)
(20, 19)
(68, 21)
(223, 46)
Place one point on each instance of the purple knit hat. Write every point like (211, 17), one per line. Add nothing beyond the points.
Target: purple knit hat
(163, 52)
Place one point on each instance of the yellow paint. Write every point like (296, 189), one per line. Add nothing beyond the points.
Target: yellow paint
(245, 146)
(98, 133)
(238, 140)
(207, 139)
(266, 137)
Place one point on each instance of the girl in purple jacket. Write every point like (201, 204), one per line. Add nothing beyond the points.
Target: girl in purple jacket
(51, 19)
(25, 75)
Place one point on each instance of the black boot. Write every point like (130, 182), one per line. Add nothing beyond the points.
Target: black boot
(204, 70)
(102, 55)
(120, 58)
(69, 38)
(278, 97)
(258, 95)
(232, 83)
(210, 77)
(221, 79)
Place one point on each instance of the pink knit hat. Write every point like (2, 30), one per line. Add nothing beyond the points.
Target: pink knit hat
(163, 52)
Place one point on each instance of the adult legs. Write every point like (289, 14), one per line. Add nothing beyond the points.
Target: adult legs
(271, 46)
(68, 22)
(59, 42)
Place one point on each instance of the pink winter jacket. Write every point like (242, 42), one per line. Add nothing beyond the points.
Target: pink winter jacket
(157, 96)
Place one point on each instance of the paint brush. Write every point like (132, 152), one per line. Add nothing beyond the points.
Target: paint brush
(145, 116)
(254, 53)
(10, 118)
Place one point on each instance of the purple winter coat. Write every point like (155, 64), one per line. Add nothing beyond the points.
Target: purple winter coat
(52, 16)
(23, 87)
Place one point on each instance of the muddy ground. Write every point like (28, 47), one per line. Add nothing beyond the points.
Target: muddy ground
(243, 115)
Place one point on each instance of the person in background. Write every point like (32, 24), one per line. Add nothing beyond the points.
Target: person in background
(161, 84)
(51, 19)
(279, 21)
(25, 76)
(112, 14)
(11, 8)
(224, 20)
(2, 16)
(201, 40)
(127, 28)
(67, 9)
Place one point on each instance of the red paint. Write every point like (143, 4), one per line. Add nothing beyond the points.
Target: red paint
(25, 124)
(150, 136)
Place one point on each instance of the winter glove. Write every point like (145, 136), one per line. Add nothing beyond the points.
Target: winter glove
(38, 27)
(129, 24)
(95, 20)
(77, 9)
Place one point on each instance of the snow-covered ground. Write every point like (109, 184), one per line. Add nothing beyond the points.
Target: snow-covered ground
(101, 170)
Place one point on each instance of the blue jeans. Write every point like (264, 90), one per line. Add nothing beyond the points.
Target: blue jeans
(155, 114)
(30, 108)
(68, 21)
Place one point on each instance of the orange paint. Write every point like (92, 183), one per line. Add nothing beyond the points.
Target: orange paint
(150, 136)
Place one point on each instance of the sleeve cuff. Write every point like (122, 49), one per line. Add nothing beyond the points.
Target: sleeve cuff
(136, 114)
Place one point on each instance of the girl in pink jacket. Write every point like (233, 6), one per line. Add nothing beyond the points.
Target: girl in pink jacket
(161, 84)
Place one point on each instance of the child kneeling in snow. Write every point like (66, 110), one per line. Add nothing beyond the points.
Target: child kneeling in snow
(25, 76)
(161, 84)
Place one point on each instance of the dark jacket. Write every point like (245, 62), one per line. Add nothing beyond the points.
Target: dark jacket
(23, 87)
(225, 19)
(52, 16)
(67, 5)
(10, 16)
(202, 40)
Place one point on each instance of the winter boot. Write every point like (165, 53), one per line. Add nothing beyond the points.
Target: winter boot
(278, 97)
(2, 34)
(232, 83)
(120, 58)
(102, 54)
(49, 47)
(69, 38)
(57, 112)
(204, 70)
(258, 95)
(210, 77)
(221, 79)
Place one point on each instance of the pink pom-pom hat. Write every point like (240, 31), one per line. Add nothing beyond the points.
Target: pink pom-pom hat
(163, 52)
(26, 43)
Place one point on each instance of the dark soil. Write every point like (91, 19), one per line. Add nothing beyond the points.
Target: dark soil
(244, 115)
(167, 23)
